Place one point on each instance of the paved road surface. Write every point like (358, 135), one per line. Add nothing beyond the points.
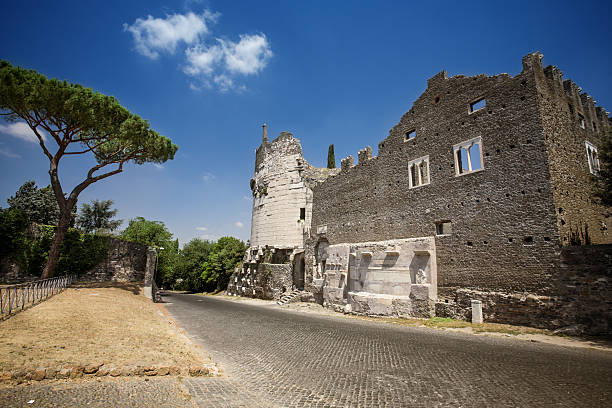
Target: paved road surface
(276, 357)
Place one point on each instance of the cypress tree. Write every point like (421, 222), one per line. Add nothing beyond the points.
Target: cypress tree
(331, 157)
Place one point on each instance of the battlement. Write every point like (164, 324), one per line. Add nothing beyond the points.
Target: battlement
(578, 102)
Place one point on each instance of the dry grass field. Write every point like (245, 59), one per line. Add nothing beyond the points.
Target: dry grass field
(94, 323)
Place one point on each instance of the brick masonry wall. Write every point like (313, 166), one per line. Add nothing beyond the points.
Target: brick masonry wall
(583, 299)
(511, 222)
(579, 217)
(503, 217)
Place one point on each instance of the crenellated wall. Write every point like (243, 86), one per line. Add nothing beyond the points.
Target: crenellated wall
(570, 119)
(502, 217)
(491, 171)
(499, 227)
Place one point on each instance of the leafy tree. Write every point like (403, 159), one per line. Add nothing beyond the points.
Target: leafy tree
(98, 216)
(154, 233)
(151, 233)
(223, 259)
(39, 204)
(331, 157)
(189, 264)
(13, 223)
(78, 121)
(603, 182)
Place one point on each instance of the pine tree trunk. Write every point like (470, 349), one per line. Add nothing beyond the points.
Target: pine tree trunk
(56, 246)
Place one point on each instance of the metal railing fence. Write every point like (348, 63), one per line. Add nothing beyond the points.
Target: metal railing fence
(14, 298)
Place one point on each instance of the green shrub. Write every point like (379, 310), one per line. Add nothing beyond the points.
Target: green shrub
(79, 253)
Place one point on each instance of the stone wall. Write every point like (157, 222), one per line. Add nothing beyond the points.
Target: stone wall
(570, 120)
(126, 262)
(261, 280)
(396, 277)
(282, 195)
(582, 304)
(502, 232)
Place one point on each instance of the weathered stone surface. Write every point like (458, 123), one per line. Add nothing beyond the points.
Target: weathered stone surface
(103, 371)
(91, 368)
(76, 372)
(163, 370)
(126, 262)
(115, 372)
(39, 374)
(51, 373)
(175, 370)
(64, 373)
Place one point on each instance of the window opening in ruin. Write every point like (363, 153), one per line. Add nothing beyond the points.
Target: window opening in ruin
(436, 99)
(581, 120)
(592, 158)
(478, 105)
(410, 135)
(302, 214)
(444, 228)
(528, 240)
(594, 127)
(468, 156)
(419, 172)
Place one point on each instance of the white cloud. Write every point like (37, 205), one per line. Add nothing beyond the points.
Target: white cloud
(202, 60)
(249, 56)
(155, 35)
(207, 176)
(247, 198)
(217, 64)
(201, 228)
(6, 152)
(239, 224)
(158, 166)
(22, 131)
(211, 64)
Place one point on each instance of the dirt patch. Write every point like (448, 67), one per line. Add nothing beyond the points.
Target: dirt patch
(108, 323)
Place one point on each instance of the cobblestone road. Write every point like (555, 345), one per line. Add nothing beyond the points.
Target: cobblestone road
(278, 357)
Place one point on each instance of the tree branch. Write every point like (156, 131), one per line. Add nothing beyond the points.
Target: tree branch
(88, 150)
(40, 141)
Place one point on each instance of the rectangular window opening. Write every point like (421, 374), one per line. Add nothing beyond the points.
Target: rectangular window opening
(410, 135)
(468, 156)
(419, 172)
(444, 228)
(581, 120)
(302, 213)
(592, 158)
(478, 105)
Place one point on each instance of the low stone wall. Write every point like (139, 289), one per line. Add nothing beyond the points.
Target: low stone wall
(102, 370)
(579, 301)
(261, 280)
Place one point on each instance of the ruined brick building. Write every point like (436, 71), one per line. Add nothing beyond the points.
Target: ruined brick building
(483, 190)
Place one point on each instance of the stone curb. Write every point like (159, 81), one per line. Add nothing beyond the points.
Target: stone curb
(19, 376)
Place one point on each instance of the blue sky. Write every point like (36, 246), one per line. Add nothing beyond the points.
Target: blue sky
(207, 74)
